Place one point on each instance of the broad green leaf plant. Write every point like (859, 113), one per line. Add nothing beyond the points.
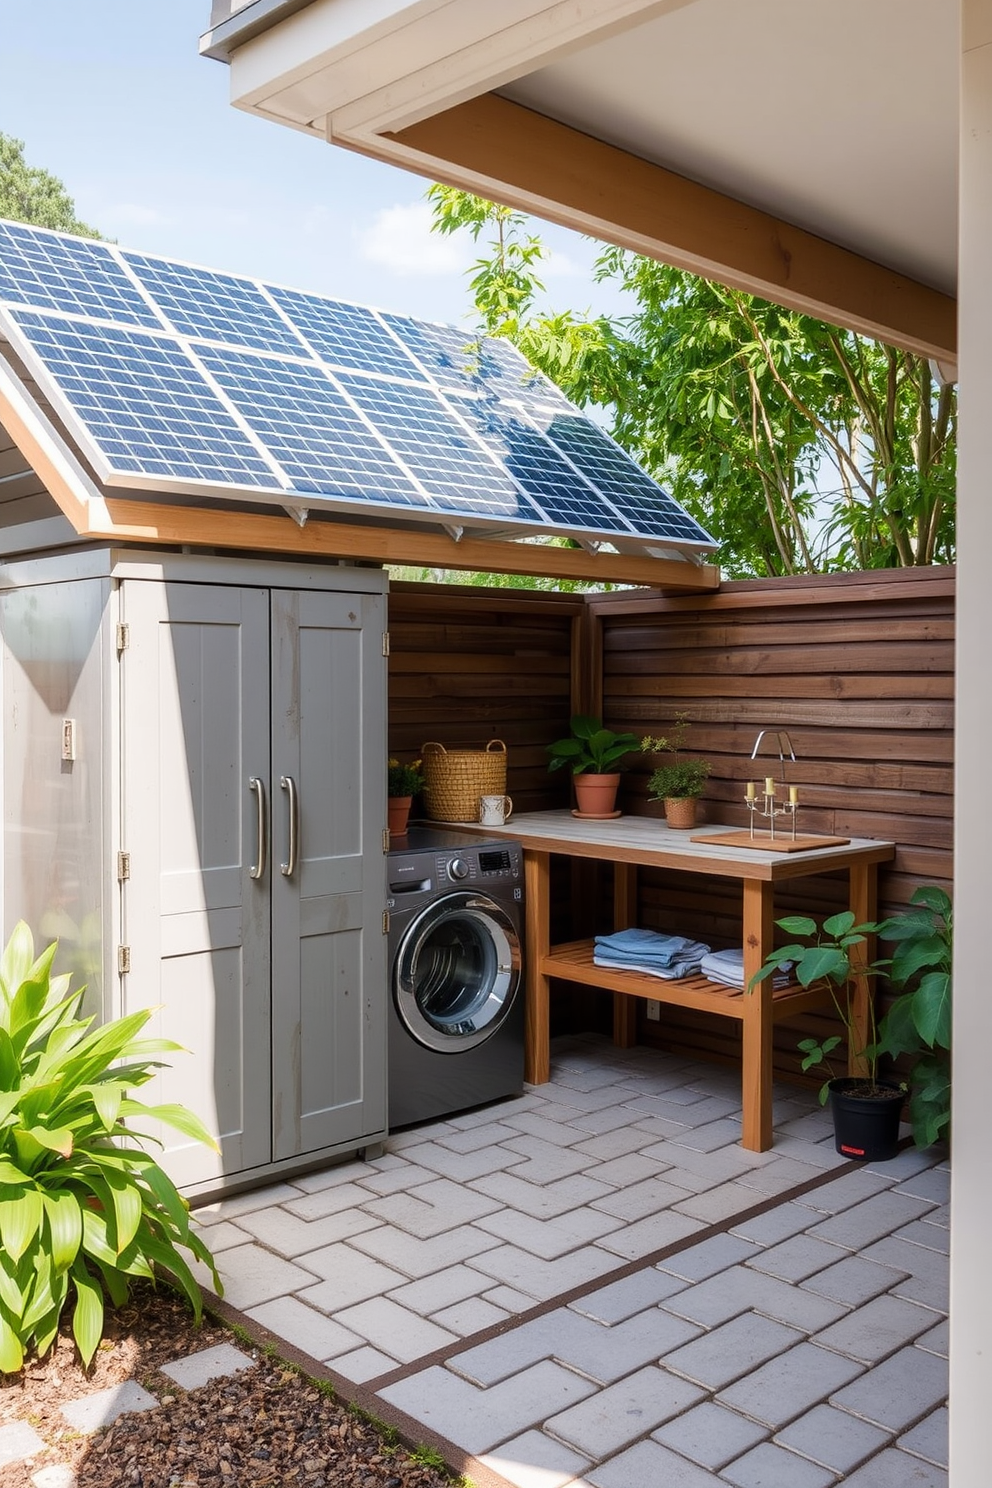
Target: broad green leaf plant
(83, 1207)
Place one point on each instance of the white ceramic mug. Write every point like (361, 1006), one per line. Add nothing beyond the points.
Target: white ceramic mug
(494, 810)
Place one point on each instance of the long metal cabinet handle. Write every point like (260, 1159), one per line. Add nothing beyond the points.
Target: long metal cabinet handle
(289, 784)
(262, 840)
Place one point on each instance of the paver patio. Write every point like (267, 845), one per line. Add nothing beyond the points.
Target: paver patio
(594, 1284)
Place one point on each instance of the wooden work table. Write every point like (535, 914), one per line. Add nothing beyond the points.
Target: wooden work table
(630, 842)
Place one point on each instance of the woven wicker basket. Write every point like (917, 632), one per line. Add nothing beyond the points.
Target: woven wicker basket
(454, 779)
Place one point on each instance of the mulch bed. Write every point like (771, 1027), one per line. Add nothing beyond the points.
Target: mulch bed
(265, 1427)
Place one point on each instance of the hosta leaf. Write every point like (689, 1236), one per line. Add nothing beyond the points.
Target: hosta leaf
(172, 1115)
(169, 1197)
(115, 1282)
(9, 1063)
(126, 1200)
(11, 1174)
(107, 1099)
(20, 1221)
(169, 1260)
(11, 1349)
(96, 1240)
(17, 958)
(87, 1319)
(13, 1292)
(57, 1139)
(65, 1226)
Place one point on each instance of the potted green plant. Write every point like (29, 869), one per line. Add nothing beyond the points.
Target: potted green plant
(918, 1022)
(594, 755)
(403, 782)
(680, 783)
(865, 1107)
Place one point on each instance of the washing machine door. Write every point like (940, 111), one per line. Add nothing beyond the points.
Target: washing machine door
(456, 973)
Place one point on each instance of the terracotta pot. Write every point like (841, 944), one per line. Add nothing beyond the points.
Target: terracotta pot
(680, 812)
(399, 814)
(596, 795)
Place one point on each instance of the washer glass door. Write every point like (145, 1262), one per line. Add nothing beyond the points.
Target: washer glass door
(457, 972)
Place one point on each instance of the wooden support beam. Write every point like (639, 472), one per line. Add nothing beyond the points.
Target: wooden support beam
(508, 153)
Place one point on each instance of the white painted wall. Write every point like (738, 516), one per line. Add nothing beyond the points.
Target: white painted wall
(971, 1200)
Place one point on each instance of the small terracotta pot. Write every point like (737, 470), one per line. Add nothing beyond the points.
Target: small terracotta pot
(399, 814)
(596, 795)
(680, 812)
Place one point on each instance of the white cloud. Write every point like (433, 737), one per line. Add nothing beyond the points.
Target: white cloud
(400, 240)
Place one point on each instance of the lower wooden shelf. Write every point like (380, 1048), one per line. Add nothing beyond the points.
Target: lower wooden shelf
(573, 962)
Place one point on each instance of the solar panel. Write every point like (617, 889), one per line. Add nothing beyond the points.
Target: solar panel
(189, 379)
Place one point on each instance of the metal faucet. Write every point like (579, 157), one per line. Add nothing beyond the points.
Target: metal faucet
(782, 737)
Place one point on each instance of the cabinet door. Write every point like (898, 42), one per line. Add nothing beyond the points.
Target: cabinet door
(328, 949)
(195, 729)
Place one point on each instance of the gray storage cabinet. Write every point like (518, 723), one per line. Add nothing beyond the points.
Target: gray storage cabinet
(193, 774)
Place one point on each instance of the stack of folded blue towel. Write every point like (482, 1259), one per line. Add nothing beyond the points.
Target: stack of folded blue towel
(728, 967)
(668, 956)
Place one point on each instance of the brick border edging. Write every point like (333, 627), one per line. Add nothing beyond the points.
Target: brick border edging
(413, 1433)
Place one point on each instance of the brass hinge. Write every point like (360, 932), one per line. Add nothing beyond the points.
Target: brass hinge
(123, 960)
(123, 867)
(385, 922)
(385, 839)
(385, 643)
(123, 637)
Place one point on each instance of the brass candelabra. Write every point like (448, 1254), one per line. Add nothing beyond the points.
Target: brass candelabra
(766, 806)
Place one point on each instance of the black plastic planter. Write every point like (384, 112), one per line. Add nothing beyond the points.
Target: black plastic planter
(866, 1127)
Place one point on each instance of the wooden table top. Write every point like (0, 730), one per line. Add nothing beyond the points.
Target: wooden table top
(649, 842)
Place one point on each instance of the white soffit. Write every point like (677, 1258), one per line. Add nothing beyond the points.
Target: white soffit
(839, 116)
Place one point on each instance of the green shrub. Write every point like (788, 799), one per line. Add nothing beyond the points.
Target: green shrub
(83, 1207)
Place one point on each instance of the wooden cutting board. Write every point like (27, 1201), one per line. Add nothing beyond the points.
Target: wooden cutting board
(763, 843)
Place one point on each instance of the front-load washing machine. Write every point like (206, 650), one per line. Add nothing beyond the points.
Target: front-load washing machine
(456, 1017)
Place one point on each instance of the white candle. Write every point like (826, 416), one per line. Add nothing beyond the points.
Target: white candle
(750, 790)
(769, 785)
(793, 794)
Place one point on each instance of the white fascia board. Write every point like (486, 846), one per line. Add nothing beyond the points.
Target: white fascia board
(416, 59)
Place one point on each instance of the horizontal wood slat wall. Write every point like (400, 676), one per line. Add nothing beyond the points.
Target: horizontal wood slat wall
(858, 669)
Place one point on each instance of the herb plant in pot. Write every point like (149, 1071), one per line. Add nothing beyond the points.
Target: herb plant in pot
(403, 782)
(678, 784)
(594, 755)
(865, 1108)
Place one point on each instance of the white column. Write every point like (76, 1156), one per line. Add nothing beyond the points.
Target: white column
(971, 1202)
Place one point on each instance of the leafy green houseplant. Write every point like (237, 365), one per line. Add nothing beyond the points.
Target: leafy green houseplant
(404, 780)
(83, 1207)
(680, 781)
(918, 1023)
(595, 755)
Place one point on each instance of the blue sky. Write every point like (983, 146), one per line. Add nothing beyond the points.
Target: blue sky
(112, 96)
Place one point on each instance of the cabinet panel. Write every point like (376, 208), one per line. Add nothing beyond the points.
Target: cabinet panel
(328, 949)
(195, 725)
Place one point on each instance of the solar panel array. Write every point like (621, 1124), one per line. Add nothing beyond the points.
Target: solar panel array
(191, 380)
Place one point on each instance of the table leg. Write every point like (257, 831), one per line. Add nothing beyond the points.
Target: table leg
(537, 1008)
(864, 907)
(756, 1071)
(624, 915)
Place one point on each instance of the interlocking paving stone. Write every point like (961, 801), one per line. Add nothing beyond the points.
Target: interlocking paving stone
(17, 1441)
(929, 1438)
(899, 1391)
(468, 1317)
(460, 1167)
(833, 1438)
(860, 1225)
(928, 1279)
(775, 1225)
(611, 1418)
(507, 1297)
(854, 1280)
(718, 1203)
(790, 1384)
(639, 1199)
(333, 1176)
(549, 1238)
(731, 1350)
(742, 1289)
(395, 1330)
(544, 1279)
(769, 1466)
(845, 1191)
(334, 1199)
(797, 1258)
(442, 1289)
(432, 1208)
(879, 1328)
(927, 1233)
(543, 1202)
(621, 1299)
(474, 1137)
(350, 1277)
(895, 1469)
(647, 1235)
(206, 1365)
(711, 1168)
(937, 1340)
(417, 1258)
(534, 1124)
(602, 1352)
(711, 1135)
(364, 1364)
(536, 1461)
(710, 1435)
(223, 1235)
(477, 1420)
(649, 1463)
(782, 1174)
(101, 1408)
(709, 1257)
(293, 1237)
(537, 1161)
(931, 1183)
(246, 1203)
(308, 1329)
(252, 1275)
(413, 1174)
(907, 1162)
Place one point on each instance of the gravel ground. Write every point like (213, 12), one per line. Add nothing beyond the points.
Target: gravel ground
(263, 1428)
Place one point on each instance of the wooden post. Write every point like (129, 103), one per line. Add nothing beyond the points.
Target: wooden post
(537, 886)
(864, 907)
(624, 915)
(756, 1072)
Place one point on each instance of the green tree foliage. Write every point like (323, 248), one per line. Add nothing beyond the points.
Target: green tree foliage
(804, 448)
(30, 194)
